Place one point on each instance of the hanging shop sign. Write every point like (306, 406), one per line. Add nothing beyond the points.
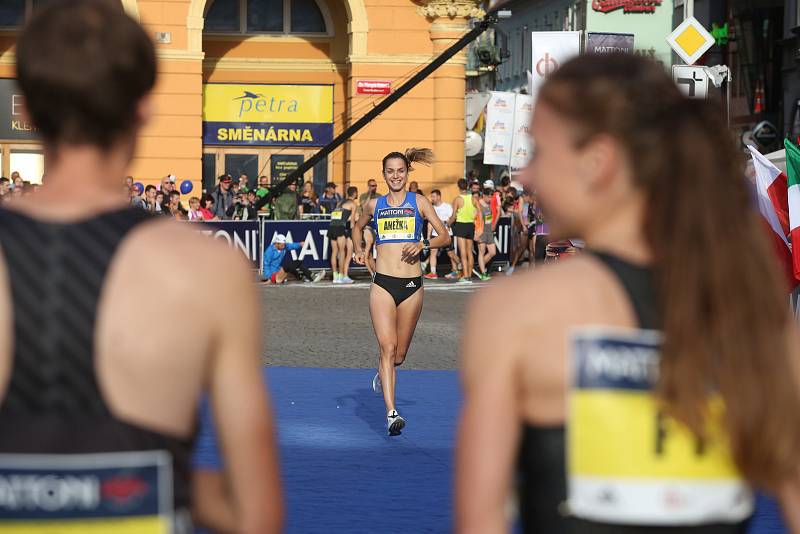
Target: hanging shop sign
(267, 115)
(627, 6)
(12, 123)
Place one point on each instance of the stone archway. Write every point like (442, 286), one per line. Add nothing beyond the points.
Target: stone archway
(357, 26)
(131, 7)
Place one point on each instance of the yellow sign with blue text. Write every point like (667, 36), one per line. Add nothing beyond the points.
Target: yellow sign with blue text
(267, 115)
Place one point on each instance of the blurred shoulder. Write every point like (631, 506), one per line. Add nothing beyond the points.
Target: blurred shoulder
(183, 248)
(542, 293)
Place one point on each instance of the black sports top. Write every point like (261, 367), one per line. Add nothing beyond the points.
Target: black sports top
(67, 458)
(550, 469)
(341, 217)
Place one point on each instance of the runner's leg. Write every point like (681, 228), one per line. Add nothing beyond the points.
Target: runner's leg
(335, 258)
(482, 257)
(384, 322)
(407, 316)
(348, 254)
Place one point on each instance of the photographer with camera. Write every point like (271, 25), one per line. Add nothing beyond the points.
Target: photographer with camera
(243, 208)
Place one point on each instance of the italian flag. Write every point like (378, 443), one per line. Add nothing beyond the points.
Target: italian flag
(773, 203)
(793, 171)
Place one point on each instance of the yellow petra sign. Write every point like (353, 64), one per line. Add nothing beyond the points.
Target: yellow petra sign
(267, 115)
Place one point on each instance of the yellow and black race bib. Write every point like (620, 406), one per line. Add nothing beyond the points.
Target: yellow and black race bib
(630, 463)
(396, 224)
(115, 493)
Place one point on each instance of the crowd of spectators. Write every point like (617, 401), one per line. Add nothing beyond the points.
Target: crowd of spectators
(236, 200)
(16, 186)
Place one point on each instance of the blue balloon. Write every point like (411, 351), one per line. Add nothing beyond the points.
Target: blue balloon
(186, 187)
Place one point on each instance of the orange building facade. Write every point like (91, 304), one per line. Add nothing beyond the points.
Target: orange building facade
(256, 86)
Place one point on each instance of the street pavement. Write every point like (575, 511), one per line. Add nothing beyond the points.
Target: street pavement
(326, 325)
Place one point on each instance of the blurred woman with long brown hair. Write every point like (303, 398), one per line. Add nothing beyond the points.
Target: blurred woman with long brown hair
(655, 381)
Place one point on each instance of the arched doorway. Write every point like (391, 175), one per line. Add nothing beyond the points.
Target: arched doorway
(275, 75)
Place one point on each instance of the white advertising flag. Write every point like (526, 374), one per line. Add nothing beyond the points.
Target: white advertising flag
(499, 129)
(521, 143)
(550, 50)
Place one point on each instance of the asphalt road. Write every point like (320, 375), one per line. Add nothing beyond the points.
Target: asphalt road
(326, 325)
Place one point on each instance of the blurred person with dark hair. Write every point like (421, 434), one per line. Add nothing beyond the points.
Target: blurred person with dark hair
(17, 181)
(642, 394)
(150, 203)
(443, 211)
(369, 233)
(330, 198)
(207, 207)
(487, 249)
(5, 188)
(339, 233)
(175, 208)
(462, 221)
(223, 197)
(97, 382)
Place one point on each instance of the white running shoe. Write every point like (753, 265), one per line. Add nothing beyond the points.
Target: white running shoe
(376, 383)
(510, 271)
(319, 276)
(395, 423)
(346, 280)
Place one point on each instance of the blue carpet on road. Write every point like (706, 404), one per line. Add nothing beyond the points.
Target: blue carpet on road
(343, 474)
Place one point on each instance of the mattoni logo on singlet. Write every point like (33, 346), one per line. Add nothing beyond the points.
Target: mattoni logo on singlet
(396, 223)
(49, 493)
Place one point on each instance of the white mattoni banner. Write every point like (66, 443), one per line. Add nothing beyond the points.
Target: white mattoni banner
(521, 142)
(550, 50)
(499, 129)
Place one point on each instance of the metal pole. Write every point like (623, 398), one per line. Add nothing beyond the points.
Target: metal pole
(689, 9)
(490, 19)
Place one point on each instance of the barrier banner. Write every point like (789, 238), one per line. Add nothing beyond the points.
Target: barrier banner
(242, 235)
(315, 254)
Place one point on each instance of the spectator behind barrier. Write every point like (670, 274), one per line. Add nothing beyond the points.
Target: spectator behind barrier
(223, 197)
(309, 202)
(285, 207)
(330, 198)
(243, 208)
(5, 188)
(207, 207)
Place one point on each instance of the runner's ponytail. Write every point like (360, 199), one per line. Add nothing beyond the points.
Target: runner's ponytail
(722, 300)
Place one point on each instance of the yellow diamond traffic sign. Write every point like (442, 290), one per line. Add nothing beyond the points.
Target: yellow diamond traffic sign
(690, 40)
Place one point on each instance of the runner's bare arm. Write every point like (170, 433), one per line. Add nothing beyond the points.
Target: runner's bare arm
(358, 231)
(458, 202)
(241, 406)
(488, 434)
(442, 239)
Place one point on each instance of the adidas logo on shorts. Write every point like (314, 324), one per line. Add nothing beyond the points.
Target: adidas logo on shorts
(411, 284)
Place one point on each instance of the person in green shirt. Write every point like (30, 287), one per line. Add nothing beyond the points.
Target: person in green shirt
(285, 206)
(263, 186)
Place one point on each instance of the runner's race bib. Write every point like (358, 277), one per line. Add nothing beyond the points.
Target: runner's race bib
(116, 493)
(628, 462)
(336, 215)
(396, 224)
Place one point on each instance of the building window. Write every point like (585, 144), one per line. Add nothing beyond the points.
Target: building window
(265, 16)
(13, 13)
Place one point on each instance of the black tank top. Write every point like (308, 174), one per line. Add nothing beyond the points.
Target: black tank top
(341, 217)
(541, 474)
(53, 411)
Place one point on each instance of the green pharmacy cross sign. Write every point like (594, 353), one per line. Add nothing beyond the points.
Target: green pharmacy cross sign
(720, 33)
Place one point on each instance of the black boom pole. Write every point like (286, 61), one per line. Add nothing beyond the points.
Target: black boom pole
(489, 20)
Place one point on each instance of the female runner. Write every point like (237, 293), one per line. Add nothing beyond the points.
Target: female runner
(656, 380)
(395, 299)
